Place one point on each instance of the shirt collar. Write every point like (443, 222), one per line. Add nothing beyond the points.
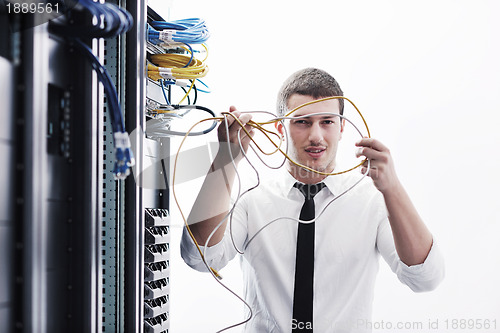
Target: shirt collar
(333, 183)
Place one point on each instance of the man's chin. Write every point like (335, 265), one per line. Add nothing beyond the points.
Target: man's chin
(302, 172)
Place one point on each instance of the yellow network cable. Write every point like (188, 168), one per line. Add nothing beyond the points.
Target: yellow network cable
(259, 127)
(178, 66)
(173, 66)
(170, 71)
(177, 202)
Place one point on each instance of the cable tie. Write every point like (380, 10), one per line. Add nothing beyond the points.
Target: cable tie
(166, 75)
(121, 140)
(167, 35)
(165, 70)
(182, 83)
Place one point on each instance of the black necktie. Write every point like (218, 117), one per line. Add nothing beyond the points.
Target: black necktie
(304, 262)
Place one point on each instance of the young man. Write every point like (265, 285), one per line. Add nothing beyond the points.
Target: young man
(317, 273)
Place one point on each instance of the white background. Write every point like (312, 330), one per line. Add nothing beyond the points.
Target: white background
(426, 75)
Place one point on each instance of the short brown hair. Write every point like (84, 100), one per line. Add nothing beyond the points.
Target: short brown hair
(309, 82)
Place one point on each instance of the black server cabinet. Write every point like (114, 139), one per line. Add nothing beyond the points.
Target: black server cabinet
(79, 250)
(53, 181)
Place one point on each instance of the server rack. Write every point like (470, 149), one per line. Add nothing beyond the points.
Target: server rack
(54, 184)
(156, 272)
(79, 251)
(150, 216)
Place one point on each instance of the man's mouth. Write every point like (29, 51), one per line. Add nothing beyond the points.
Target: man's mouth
(315, 152)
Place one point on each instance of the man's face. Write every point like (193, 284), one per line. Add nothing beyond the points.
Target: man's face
(314, 139)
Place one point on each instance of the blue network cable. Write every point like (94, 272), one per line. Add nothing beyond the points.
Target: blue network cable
(207, 91)
(182, 24)
(164, 83)
(108, 20)
(189, 31)
(123, 154)
(192, 55)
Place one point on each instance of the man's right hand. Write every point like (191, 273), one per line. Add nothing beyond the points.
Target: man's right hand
(234, 131)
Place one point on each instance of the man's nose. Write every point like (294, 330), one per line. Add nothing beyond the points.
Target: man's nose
(315, 133)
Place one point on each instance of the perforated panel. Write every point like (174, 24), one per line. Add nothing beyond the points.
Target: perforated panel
(112, 210)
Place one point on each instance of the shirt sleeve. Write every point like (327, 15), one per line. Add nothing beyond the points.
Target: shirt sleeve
(217, 256)
(419, 278)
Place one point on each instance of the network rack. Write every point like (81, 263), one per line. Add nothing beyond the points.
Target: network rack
(81, 251)
(50, 256)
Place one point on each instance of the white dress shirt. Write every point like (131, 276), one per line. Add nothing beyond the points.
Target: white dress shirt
(351, 234)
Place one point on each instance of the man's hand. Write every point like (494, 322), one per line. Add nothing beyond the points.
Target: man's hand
(234, 129)
(382, 169)
(412, 238)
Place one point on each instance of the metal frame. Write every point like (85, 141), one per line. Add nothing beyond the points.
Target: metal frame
(112, 227)
(34, 210)
(134, 220)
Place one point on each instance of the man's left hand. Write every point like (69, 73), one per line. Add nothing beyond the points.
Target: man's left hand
(382, 169)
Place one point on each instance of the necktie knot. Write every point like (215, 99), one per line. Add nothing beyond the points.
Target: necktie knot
(309, 190)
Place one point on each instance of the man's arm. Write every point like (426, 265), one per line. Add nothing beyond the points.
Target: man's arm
(213, 200)
(412, 238)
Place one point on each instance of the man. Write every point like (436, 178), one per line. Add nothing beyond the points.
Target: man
(330, 287)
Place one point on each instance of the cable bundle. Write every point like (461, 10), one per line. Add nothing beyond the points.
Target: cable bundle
(176, 66)
(188, 31)
(177, 63)
(106, 20)
(168, 68)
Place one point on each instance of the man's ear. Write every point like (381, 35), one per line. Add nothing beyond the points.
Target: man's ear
(342, 125)
(279, 127)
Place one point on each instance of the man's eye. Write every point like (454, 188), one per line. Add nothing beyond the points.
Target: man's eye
(300, 121)
(328, 122)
